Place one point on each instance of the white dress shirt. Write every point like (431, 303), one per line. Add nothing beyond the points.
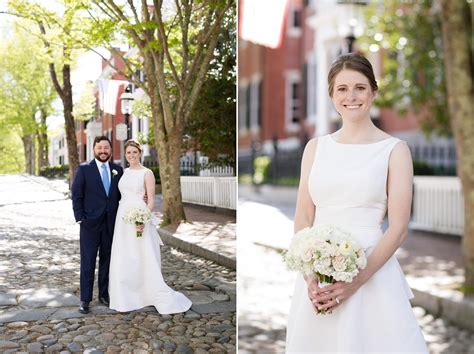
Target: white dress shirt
(99, 166)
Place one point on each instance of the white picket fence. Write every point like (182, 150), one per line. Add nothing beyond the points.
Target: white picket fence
(438, 205)
(217, 171)
(218, 192)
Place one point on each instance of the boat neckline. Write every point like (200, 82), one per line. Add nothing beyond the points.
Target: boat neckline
(362, 144)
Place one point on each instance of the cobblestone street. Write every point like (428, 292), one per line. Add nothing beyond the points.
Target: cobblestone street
(266, 286)
(39, 286)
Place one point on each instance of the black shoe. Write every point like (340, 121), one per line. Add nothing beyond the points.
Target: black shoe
(104, 300)
(84, 308)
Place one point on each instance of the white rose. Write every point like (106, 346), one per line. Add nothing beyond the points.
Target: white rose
(307, 256)
(339, 263)
(345, 248)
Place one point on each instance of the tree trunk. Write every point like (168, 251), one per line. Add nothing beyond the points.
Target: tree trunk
(42, 138)
(169, 153)
(69, 125)
(458, 54)
(29, 151)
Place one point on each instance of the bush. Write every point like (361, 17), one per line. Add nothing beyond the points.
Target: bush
(59, 171)
(421, 168)
(245, 178)
(262, 168)
(156, 172)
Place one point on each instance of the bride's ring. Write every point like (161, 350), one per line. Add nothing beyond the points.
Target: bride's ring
(337, 300)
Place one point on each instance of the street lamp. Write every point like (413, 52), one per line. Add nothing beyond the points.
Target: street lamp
(126, 99)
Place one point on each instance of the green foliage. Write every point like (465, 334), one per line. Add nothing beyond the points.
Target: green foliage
(59, 171)
(26, 91)
(262, 169)
(85, 108)
(211, 127)
(421, 168)
(245, 178)
(287, 181)
(409, 34)
(12, 159)
(156, 173)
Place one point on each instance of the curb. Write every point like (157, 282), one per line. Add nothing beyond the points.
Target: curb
(458, 311)
(170, 240)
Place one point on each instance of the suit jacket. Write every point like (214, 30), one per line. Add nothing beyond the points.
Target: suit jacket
(89, 200)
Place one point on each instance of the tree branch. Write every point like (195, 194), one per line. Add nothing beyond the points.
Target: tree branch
(204, 64)
(52, 69)
(164, 42)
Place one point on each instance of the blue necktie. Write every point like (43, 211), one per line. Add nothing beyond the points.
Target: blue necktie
(105, 179)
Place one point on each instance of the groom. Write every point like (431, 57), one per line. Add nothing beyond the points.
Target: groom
(95, 198)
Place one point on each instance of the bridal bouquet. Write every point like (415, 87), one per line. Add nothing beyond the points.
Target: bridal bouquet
(138, 217)
(327, 252)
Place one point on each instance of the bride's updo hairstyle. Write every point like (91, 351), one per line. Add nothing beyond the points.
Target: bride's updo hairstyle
(351, 61)
(133, 143)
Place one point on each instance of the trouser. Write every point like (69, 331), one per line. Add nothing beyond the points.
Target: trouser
(95, 237)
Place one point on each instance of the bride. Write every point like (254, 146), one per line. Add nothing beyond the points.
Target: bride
(350, 179)
(135, 266)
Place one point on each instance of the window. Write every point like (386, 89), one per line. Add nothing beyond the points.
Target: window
(255, 104)
(294, 21)
(247, 107)
(293, 100)
(295, 103)
(242, 107)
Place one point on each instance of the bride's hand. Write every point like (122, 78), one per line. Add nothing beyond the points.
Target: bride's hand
(332, 296)
(313, 287)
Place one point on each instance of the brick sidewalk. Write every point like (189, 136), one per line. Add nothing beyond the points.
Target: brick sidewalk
(206, 233)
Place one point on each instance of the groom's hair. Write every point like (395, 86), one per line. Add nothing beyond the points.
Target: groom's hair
(98, 139)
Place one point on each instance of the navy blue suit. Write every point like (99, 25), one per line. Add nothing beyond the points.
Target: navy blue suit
(97, 212)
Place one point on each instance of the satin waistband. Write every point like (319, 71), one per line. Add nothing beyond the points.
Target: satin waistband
(351, 216)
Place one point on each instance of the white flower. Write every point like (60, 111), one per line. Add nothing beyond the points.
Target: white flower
(325, 250)
(114, 172)
(339, 263)
(137, 216)
(345, 248)
(307, 255)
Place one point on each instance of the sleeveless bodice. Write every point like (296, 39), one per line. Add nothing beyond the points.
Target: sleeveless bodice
(347, 184)
(132, 186)
(348, 181)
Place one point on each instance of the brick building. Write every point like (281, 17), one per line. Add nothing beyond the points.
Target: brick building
(283, 98)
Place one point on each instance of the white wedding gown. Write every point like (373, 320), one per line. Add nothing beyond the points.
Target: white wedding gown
(135, 279)
(347, 183)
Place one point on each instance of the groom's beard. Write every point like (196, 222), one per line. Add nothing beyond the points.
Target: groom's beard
(103, 157)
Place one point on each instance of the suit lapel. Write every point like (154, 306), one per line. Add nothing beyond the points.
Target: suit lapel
(113, 179)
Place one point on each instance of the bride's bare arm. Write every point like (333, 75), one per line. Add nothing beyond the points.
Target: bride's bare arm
(399, 192)
(150, 189)
(304, 215)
